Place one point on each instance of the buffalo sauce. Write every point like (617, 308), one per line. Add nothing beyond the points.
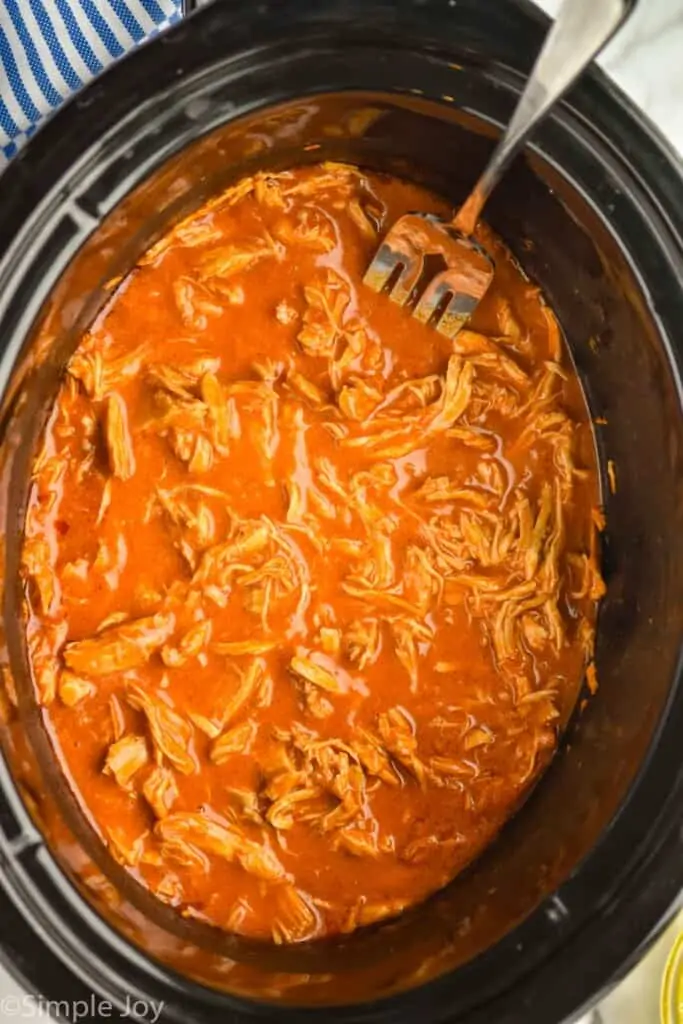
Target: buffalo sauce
(311, 589)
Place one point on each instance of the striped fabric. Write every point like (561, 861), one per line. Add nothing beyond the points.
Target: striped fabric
(50, 48)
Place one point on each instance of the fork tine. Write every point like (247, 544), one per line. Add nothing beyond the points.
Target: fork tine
(466, 284)
(454, 316)
(395, 252)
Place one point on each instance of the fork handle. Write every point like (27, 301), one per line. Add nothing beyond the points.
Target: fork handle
(580, 31)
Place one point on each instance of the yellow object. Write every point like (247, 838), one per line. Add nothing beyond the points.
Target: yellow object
(671, 997)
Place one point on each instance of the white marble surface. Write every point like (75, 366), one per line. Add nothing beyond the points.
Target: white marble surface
(646, 59)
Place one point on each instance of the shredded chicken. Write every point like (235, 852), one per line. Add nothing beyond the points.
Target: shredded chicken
(193, 830)
(160, 791)
(171, 734)
(297, 918)
(307, 669)
(125, 757)
(120, 648)
(310, 591)
(235, 741)
(73, 689)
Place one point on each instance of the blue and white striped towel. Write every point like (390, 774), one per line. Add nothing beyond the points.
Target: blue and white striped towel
(50, 48)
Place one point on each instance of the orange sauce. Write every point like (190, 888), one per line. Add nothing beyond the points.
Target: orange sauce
(310, 588)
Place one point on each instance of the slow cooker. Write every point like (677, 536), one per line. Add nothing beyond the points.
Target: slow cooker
(590, 868)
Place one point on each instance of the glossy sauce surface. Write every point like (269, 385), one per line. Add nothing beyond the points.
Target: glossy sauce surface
(310, 588)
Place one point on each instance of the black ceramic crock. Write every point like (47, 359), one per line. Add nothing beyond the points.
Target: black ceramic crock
(580, 881)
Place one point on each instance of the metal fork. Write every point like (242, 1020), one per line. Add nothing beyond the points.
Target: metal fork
(581, 30)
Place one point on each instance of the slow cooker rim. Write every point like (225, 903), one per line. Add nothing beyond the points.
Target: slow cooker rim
(46, 144)
(43, 139)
